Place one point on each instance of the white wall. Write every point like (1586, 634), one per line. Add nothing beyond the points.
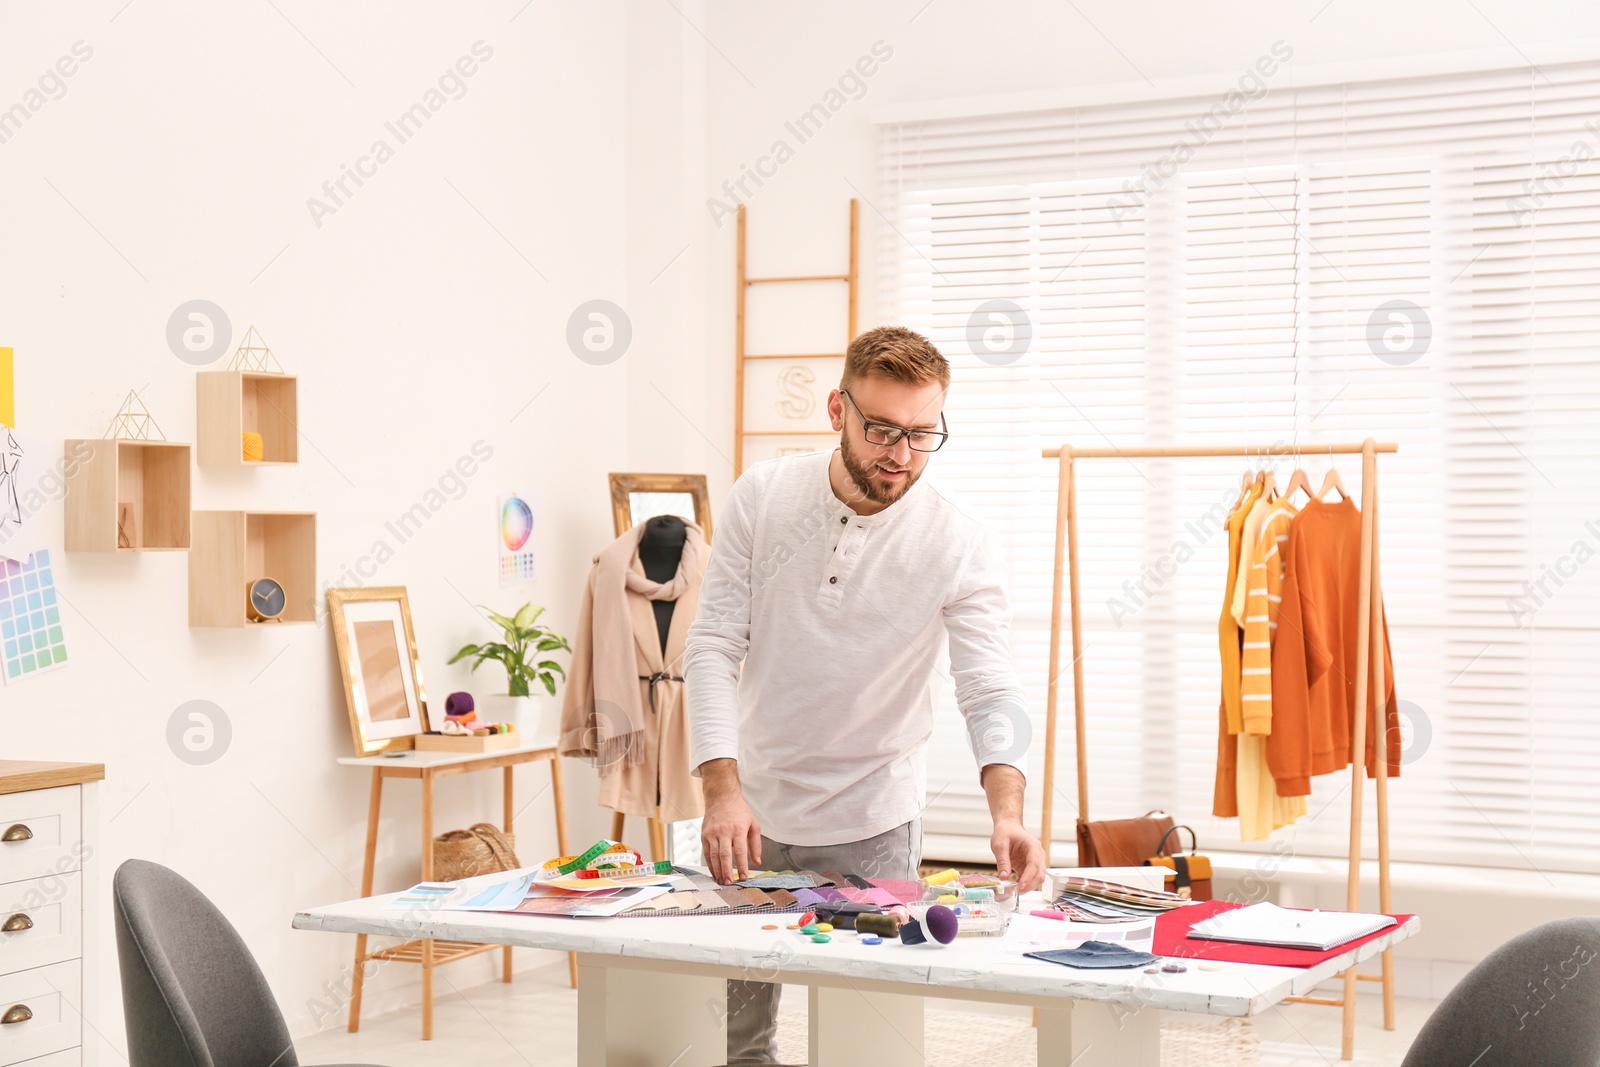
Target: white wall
(177, 166)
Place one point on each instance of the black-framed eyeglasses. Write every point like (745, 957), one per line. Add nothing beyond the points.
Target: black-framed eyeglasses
(886, 434)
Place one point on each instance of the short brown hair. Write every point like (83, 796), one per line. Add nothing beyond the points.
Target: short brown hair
(897, 353)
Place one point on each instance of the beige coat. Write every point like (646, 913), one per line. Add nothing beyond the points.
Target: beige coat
(629, 787)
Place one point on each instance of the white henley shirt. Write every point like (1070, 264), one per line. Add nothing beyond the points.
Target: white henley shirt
(836, 619)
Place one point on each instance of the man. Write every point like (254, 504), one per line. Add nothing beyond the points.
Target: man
(809, 664)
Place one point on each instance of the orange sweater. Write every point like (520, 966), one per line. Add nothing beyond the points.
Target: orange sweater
(1314, 655)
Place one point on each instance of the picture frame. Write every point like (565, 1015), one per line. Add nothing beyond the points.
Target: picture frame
(378, 662)
(636, 497)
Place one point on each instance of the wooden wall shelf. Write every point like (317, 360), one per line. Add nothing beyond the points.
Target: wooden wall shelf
(141, 484)
(234, 548)
(232, 402)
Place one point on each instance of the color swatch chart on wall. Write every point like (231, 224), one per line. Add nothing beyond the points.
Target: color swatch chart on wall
(30, 617)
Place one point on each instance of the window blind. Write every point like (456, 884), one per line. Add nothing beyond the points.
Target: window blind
(1414, 260)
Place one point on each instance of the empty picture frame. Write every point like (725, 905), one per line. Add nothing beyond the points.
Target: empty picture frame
(378, 660)
(637, 497)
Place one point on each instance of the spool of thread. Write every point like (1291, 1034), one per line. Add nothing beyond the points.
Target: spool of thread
(943, 877)
(252, 447)
(978, 893)
(882, 925)
(940, 923)
(458, 704)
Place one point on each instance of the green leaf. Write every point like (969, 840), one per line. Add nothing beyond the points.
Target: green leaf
(466, 650)
(525, 616)
(549, 683)
(519, 686)
(508, 625)
(551, 665)
(551, 643)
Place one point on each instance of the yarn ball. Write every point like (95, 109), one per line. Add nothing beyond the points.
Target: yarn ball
(458, 704)
(252, 447)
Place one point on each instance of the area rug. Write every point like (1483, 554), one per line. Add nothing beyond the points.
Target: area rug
(961, 1039)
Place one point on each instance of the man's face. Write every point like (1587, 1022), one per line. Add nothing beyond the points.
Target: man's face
(883, 473)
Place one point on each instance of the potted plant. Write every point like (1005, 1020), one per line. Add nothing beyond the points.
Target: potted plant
(524, 642)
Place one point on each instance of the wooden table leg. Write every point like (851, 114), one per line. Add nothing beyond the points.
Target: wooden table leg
(561, 845)
(1088, 1033)
(356, 979)
(851, 1026)
(427, 876)
(511, 818)
(657, 1017)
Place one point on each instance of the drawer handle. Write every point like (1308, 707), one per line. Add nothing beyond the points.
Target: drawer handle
(17, 1013)
(16, 924)
(17, 832)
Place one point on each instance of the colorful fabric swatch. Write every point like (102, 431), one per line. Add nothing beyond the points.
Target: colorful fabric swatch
(31, 638)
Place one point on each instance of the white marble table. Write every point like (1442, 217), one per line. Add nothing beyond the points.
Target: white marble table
(651, 990)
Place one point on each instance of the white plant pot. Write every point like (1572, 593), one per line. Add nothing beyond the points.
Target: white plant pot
(536, 718)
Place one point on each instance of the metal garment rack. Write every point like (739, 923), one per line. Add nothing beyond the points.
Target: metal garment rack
(851, 278)
(1369, 678)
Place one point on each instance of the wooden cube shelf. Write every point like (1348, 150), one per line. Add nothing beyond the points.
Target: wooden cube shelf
(232, 403)
(234, 548)
(127, 496)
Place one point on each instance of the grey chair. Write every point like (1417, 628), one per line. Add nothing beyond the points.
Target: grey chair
(1533, 1000)
(192, 995)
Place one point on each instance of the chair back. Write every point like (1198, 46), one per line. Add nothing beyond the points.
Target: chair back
(1533, 1000)
(192, 995)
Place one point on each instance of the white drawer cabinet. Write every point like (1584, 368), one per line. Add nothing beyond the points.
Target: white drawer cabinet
(50, 911)
(44, 1005)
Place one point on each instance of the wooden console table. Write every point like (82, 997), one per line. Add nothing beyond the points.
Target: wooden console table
(429, 766)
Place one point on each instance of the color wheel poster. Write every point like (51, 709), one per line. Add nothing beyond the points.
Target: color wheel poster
(515, 534)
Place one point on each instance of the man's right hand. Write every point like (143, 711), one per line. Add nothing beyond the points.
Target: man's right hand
(729, 835)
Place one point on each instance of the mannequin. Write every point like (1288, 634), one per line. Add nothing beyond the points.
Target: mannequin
(660, 552)
(624, 702)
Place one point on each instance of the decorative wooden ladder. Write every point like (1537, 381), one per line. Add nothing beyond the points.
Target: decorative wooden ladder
(851, 278)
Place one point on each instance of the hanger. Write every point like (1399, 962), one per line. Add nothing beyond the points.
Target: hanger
(1245, 481)
(1298, 480)
(1332, 480)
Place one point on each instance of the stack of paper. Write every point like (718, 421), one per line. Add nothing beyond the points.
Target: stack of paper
(1268, 924)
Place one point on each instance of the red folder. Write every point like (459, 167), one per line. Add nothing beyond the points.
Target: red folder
(1172, 939)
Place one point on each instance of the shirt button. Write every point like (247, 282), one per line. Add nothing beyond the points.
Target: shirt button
(843, 519)
(834, 580)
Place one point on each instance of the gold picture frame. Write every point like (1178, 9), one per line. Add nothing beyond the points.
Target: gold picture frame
(383, 689)
(659, 494)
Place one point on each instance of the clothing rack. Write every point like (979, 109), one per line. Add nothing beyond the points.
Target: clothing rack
(1369, 676)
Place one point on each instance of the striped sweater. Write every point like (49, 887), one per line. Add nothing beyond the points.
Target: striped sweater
(1263, 593)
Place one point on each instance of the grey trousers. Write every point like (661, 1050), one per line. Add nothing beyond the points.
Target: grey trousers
(753, 1006)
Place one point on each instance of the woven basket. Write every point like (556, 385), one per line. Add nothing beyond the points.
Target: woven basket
(484, 849)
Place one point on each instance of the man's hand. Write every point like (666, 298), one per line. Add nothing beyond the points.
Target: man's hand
(729, 836)
(1018, 855)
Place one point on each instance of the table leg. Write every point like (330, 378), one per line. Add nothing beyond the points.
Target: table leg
(427, 876)
(628, 1016)
(561, 844)
(511, 818)
(851, 1027)
(357, 979)
(1091, 1033)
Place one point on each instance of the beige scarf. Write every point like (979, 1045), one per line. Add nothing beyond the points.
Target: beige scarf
(619, 740)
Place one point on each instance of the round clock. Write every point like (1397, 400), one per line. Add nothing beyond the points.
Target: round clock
(266, 600)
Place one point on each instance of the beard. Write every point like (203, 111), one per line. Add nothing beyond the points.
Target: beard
(863, 473)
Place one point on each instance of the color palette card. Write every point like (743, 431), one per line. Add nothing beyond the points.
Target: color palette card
(30, 618)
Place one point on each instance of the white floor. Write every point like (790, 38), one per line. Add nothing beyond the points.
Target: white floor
(532, 1023)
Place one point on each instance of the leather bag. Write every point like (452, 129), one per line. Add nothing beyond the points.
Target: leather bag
(1122, 842)
(1191, 872)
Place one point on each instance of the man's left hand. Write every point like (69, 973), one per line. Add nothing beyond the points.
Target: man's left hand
(1018, 855)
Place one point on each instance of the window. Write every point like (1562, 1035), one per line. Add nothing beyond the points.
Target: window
(1412, 260)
